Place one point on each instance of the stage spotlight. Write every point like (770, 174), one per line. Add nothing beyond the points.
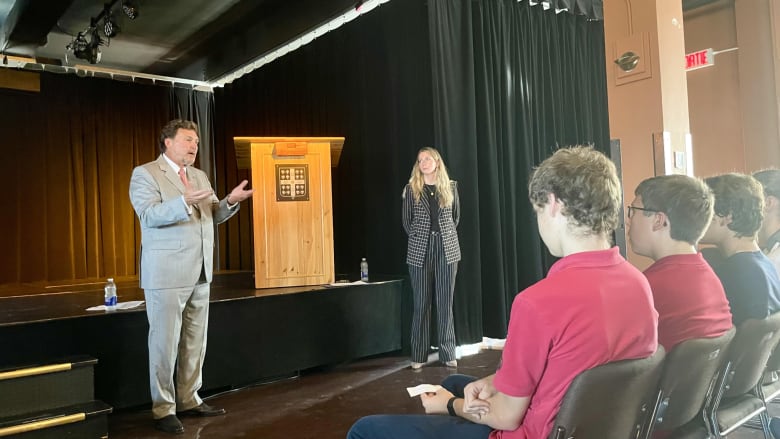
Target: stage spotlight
(110, 26)
(86, 44)
(131, 9)
(86, 50)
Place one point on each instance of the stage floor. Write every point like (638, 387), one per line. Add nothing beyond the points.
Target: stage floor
(32, 303)
(320, 404)
(254, 335)
(323, 404)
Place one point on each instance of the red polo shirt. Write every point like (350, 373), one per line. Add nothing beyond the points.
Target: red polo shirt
(591, 309)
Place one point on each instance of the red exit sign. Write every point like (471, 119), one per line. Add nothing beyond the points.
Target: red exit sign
(697, 60)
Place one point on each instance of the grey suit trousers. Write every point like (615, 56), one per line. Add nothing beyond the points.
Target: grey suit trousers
(170, 310)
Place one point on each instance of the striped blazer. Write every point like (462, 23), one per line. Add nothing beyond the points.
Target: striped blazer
(417, 223)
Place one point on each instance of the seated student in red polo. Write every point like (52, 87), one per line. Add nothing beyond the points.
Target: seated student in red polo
(592, 308)
(666, 220)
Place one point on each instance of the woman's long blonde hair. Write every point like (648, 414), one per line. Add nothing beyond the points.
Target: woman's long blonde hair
(443, 188)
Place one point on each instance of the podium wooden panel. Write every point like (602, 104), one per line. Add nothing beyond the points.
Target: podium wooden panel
(292, 207)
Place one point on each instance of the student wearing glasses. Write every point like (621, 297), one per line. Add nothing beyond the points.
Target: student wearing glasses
(748, 276)
(666, 220)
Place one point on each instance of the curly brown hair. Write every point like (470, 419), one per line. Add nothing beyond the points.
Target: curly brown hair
(687, 201)
(171, 128)
(742, 197)
(586, 181)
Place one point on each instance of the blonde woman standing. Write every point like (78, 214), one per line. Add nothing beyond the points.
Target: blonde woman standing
(431, 210)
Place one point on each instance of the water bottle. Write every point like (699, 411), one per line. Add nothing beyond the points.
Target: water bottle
(110, 297)
(364, 270)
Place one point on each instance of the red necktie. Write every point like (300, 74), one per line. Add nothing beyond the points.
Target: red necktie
(183, 176)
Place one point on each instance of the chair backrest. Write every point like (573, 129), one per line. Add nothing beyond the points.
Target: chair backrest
(605, 402)
(748, 353)
(688, 372)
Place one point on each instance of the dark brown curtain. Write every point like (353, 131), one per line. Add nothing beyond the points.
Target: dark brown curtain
(67, 155)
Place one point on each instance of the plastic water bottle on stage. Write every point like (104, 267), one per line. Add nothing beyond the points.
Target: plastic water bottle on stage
(110, 296)
(364, 270)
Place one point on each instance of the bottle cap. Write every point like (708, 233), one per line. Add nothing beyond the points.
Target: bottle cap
(110, 279)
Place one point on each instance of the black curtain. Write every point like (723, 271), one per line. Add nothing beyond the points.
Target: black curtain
(198, 106)
(368, 82)
(495, 85)
(511, 83)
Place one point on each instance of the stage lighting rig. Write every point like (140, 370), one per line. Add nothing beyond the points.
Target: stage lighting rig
(110, 26)
(130, 9)
(86, 49)
(86, 44)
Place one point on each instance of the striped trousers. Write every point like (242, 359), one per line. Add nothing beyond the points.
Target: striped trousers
(435, 276)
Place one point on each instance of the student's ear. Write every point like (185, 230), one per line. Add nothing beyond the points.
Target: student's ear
(770, 202)
(660, 221)
(556, 205)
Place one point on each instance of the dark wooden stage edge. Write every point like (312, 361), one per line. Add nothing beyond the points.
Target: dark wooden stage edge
(254, 335)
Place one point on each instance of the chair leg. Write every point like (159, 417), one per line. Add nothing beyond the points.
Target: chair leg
(713, 402)
(764, 417)
(648, 424)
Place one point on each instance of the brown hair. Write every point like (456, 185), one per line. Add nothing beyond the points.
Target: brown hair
(586, 181)
(171, 128)
(687, 201)
(742, 197)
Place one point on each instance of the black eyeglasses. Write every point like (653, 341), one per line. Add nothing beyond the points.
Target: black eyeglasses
(631, 209)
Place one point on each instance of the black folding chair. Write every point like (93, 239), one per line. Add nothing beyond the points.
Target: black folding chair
(607, 402)
(687, 378)
(739, 395)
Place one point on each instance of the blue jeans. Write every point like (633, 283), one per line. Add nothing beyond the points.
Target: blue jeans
(422, 426)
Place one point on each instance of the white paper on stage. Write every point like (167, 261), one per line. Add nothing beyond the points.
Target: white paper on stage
(423, 388)
(346, 284)
(119, 305)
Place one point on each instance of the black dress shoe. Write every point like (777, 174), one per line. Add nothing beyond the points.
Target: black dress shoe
(202, 410)
(169, 424)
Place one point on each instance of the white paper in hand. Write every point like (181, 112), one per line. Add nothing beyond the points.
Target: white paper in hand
(423, 388)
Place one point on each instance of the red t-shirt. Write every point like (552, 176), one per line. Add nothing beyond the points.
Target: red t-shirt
(689, 299)
(591, 309)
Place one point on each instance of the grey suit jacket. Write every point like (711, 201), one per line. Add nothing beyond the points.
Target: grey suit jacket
(417, 223)
(175, 246)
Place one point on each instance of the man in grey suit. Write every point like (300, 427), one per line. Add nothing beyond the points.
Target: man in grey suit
(177, 209)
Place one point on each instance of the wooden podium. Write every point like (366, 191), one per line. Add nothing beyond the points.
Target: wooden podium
(292, 207)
